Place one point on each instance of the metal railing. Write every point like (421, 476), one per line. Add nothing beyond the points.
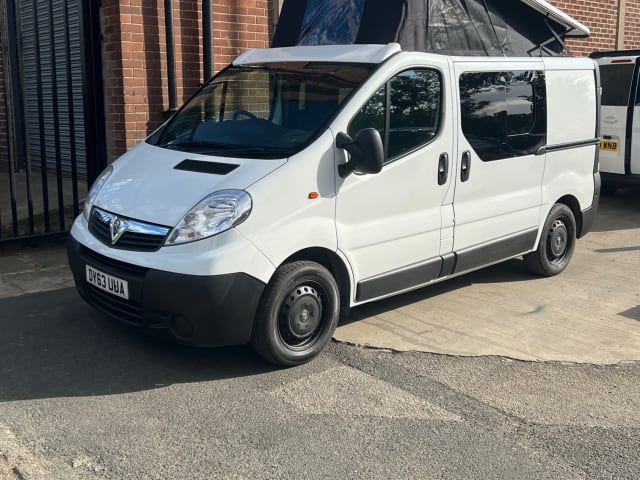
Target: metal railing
(54, 113)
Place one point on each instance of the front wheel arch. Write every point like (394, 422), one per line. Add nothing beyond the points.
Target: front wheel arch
(332, 262)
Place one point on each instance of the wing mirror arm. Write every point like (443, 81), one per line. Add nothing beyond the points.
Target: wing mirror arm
(366, 152)
(345, 142)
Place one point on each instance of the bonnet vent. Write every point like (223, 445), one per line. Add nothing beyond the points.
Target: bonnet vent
(206, 167)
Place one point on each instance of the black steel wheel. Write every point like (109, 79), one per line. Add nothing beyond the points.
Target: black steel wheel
(557, 243)
(298, 314)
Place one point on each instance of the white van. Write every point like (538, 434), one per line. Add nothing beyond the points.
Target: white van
(620, 119)
(302, 181)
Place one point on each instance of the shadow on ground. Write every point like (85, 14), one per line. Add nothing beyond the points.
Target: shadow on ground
(510, 271)
(54, 345)
(619, 212)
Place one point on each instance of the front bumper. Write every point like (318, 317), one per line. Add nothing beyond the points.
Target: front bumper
(196, 310)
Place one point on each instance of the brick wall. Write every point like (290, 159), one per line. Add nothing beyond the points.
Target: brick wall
(238, 26)
(632, 25)
(602, 19)
(135, 72)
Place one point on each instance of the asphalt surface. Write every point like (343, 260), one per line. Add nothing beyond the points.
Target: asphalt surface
(83, 398)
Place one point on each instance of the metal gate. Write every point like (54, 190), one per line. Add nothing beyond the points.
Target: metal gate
(51, 66)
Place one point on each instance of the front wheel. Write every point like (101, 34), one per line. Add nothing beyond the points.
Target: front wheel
(557, 243)
(298, 314)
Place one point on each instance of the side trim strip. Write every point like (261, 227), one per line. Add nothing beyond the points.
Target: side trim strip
(496, 250)
(449, 264)
(567, 146)
(398, 280)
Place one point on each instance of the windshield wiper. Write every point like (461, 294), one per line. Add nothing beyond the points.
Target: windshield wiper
(263, 150)
(198, 144)
(203, 146)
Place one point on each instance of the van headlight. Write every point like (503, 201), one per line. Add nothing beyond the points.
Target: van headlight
(95, 190)
(214, 214)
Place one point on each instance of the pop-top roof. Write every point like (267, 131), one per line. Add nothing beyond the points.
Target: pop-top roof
(574, 28)
(455, 27)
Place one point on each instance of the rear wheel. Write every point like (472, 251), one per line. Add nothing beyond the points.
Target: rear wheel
(557, 243)
(298, 314)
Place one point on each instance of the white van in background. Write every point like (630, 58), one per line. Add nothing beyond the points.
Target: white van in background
(620, 119)
(302, 181)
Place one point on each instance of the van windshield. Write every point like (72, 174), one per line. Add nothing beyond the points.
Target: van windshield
(262, 111)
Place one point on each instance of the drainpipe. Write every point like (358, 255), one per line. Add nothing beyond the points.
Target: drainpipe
(171, 57)
(277, 7)
(622, 8)
(207, 38)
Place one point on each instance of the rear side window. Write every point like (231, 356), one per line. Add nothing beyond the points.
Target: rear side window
(616, 84)
(504, 113)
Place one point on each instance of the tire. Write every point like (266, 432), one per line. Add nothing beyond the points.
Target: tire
(297, 315)
(557, 243)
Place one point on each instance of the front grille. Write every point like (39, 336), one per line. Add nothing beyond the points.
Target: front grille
(130, 311)
(109, 265)
(137, 236)
(120, 308)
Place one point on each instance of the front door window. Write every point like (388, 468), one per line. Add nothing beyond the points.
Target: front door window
(406, 111)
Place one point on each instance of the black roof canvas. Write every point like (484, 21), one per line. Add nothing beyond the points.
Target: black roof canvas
(454, 27)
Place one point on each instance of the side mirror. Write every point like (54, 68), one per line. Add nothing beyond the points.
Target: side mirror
(366, 150)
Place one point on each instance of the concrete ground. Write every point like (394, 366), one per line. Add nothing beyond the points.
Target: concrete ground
(588, 314)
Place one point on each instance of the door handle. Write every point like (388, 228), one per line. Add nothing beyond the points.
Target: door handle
(465, 166)
(443, 168)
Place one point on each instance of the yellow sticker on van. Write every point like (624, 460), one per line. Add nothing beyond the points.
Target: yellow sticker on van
(609, 145)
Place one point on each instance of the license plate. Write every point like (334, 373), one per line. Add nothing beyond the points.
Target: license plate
(609, 145)
(113, 285)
